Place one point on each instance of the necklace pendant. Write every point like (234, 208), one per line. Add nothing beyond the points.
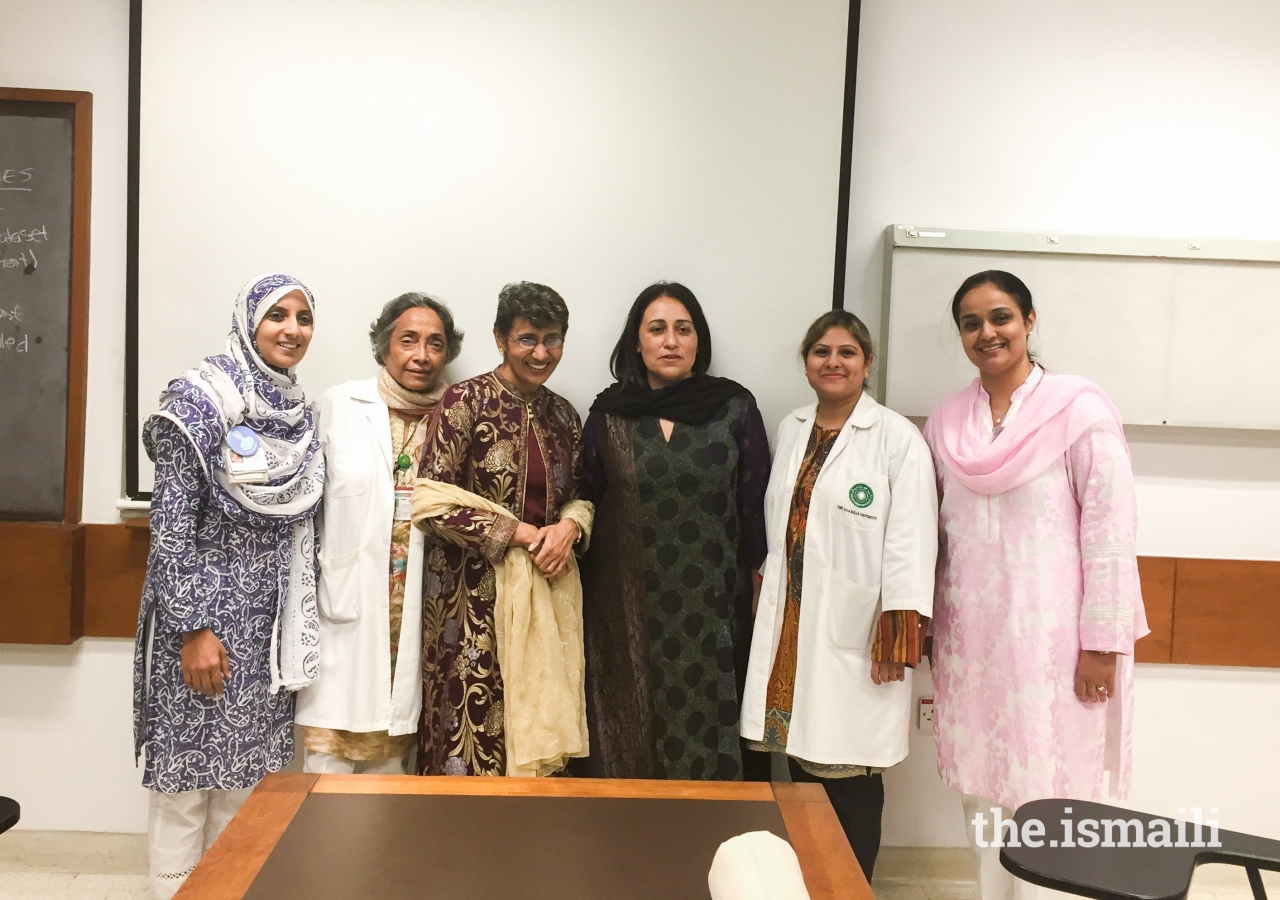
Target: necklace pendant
(403, 462)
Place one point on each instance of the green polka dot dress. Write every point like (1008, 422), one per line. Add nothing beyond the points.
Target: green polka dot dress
(698, 505)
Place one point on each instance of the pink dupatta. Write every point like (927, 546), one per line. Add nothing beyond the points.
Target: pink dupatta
(1051, 418)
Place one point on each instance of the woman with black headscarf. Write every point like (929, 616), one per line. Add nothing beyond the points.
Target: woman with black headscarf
(677, 462)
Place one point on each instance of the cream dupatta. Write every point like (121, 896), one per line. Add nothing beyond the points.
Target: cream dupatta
(539, 631)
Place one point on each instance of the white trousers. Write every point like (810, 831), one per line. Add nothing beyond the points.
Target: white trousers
(180, 828)
(995, 882)
(318, 763)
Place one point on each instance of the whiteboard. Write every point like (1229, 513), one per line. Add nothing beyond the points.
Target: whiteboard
(387, 146)
(1181, 335)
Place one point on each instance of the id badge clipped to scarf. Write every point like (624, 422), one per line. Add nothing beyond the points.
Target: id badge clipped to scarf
(243, 456)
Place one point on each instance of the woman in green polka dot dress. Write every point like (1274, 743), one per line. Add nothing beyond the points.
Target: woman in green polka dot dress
(677, 462)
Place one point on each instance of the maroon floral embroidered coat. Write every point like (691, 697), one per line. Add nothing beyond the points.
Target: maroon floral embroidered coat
(527, 456)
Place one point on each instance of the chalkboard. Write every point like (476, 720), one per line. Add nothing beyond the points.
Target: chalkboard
(43, 299)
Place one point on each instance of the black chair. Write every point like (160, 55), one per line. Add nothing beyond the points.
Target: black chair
(1128, 869)
(9, 814)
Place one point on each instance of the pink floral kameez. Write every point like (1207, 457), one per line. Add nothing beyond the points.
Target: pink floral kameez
(1027, 578)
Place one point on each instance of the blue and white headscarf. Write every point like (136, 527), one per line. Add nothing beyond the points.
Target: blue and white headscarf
(239, 387)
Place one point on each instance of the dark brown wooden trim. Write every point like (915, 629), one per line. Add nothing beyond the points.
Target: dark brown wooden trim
(1158, 575)
(40, 95)
(544, 787)
(78, 321)
(831, 871)
(41, 583)
(1220, 604)
(115, 562)
(78, 371)
(1227, 613)
(239, 853)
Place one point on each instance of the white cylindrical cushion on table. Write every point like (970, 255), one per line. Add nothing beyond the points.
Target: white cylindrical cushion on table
(757, 865)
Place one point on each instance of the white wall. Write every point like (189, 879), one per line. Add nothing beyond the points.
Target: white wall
(1149, 117)
(83, 45)
(66, 745)
(455, 147)
(706, 73)
(1145, 117)
(66, 736)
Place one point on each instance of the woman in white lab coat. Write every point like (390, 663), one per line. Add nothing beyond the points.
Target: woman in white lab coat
(363, 710)
(851, 515)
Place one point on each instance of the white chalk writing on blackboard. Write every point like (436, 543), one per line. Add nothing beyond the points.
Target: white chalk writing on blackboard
(12, 179)
(38, 196)
(25, 260)
(34, 234)
(16, 180)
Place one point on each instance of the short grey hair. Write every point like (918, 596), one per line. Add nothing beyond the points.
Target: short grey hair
(538, 303)
(384, 326)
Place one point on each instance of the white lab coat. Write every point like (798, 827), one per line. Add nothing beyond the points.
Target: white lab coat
(354, 691)
(870, 545)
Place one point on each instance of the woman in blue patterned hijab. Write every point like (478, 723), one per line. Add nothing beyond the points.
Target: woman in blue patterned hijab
(242, 388)
(228, 626)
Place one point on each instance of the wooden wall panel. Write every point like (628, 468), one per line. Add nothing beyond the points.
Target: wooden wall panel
(41, 583)
(58, 582)
(115, 566)
(1227, 613)
(1157, 574)
(78, 367)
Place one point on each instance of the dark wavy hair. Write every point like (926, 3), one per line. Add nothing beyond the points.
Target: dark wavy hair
(1005, 281)
(538, 303)
(626, 363)
(383, 327)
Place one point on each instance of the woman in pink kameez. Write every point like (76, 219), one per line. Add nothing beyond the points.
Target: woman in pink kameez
(1037, 601)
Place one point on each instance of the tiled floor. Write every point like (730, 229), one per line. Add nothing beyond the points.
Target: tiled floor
(64, 865)
(910, 873)
(68, 865)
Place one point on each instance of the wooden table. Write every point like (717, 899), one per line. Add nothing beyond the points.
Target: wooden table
(391, 836)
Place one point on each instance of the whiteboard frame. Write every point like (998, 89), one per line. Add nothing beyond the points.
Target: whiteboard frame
(942, 237)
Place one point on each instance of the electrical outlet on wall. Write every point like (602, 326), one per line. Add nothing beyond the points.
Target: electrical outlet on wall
(924, 714)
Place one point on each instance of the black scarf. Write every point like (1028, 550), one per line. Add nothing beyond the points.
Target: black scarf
(693, 401)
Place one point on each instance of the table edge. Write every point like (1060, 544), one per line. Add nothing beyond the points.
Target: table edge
(831, 871)
(240, 852)
(621, 788)
(229, 868)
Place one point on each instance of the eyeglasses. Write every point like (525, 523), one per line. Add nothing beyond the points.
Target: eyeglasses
(551, 341)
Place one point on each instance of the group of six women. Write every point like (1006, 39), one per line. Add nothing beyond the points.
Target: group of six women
(730, 603)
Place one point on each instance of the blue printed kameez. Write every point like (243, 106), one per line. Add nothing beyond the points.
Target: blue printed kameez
(208, 568)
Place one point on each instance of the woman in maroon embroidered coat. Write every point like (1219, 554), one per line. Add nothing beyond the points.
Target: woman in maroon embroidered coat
(506, 437)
